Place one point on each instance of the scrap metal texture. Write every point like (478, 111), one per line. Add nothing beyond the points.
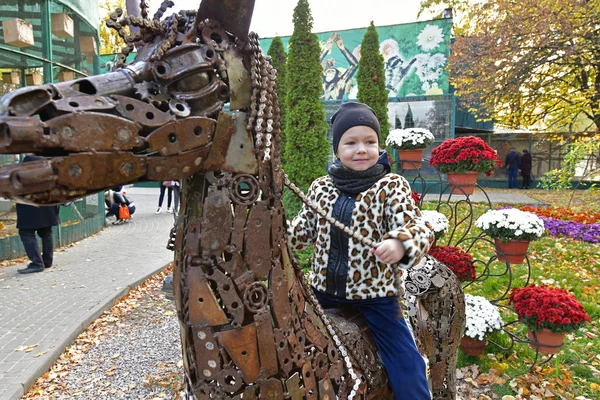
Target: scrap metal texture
(250, 325)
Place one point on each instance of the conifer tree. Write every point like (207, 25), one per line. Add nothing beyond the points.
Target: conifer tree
(371, 80)
(409, 121)
(279, 60)
(307, 147)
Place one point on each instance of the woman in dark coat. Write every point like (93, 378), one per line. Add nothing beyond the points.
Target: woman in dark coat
(526, 169)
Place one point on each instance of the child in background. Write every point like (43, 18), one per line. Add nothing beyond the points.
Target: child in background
(360, 192)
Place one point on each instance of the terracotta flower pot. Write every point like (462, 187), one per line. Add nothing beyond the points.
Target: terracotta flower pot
(472, 347)
(414, 156)
(546, 341)
(514, 251)
(462, 183)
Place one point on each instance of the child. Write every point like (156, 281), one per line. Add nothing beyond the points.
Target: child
(361, 192)
(113, 199)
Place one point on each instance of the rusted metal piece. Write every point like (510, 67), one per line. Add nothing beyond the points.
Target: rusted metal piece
(256, 297)
(239, 225)
(221, 139)
(239, 79)
(216, 221)
(292, 386)
(84, 103)
(266, 344)
(230, 379)
(179, 136)
(175, 167)
(326, 391)
(320, 365)
(235, 266)
(240, 153)
(283, 352)
(98, 132)
(271, 389)
(31, 177)
(208, 360)
(204, 308)
(281, 299)
(258, 228)
(241, 346)
(229, 296)
(277, 231)
(310, 383)
(81, 170)
(244, 190)
(233, 16)
(24, 134)
(25, 101)
(143, 113)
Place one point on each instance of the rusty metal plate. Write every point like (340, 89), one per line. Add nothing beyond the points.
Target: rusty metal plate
(204, 307)
(235, 265)
(271, 389)
(296, 349)
(240, 153)
(233, 16)
(229, 297)
(217, 221)
(241, 346)
(250, 393)
(143, 113)
(175, 167)
(277, 228)
(336, 371)
(182, 135)
(192, 238)
(84, 103)
(283, 352)
(221, 139)
(297, 296)
(326, 391)
(314, 330)
(281, 299)
(30, 177)
(292, 386)
(95, 132)
(266, 344)
(320, 365)
(208, 360)
(258, 229)
(230, 379)
(310, 383)
(239, 80)
(24, 135)
(25, 101)
(81, 170)
(239, 224)
(244, 280)
(186, 60)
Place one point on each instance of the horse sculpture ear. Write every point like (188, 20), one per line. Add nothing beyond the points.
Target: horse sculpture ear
(233, 15)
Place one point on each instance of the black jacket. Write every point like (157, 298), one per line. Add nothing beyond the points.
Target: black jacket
(31, 217)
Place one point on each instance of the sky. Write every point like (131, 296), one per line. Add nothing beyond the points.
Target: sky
(274, 17)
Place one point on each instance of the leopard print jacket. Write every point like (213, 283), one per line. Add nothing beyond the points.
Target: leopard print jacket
(385, 210)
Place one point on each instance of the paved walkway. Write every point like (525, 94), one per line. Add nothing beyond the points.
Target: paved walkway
(53, 307)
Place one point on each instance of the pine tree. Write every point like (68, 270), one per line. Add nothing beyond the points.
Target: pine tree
(409, 121)
(307, 147)
(279, 60)
(371, 80)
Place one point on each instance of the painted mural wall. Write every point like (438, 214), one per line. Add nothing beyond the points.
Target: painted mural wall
(415, 57)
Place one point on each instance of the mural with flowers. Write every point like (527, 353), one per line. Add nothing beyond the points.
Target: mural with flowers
(415, 57)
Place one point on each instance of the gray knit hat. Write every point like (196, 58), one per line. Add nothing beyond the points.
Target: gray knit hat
(352, 114)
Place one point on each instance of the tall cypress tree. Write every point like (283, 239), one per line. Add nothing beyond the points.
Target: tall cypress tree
(409, 121)
(371, 80)
(279, 60)
(307, 148)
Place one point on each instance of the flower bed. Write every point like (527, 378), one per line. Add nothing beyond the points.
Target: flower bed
(459, 261)
(564, 214)
(564, 222)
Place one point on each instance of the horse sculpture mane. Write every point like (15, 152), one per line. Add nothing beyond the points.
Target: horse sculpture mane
(250, 326)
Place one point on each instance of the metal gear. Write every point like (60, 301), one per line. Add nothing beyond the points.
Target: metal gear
(152, 93)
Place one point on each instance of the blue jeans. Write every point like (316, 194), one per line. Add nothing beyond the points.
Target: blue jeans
(512, 178)
(403, 362)
(161, 197)
(30, 243)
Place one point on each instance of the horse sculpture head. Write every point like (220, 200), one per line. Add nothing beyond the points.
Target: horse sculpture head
(250, 326)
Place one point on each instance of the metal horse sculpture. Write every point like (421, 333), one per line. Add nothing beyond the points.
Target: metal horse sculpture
(250, 327)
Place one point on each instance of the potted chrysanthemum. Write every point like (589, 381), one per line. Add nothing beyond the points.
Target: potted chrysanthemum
(410, 143)
(483, 318)
(462, 159)
(512, 230)
(438, 221)
(457, 260)
(549, 313)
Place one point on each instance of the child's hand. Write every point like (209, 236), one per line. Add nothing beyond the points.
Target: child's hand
(390, 251)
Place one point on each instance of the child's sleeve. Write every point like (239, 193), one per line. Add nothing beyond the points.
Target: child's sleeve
(301, 230)
(406, 224)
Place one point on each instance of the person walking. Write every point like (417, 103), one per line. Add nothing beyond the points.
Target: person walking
(360, 192)
(165, 186)
(512, 162)
(40, 220)
(526, 164)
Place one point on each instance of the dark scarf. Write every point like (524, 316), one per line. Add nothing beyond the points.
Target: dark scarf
(354, 182)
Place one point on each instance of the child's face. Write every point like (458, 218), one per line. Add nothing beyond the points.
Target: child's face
(358, 148)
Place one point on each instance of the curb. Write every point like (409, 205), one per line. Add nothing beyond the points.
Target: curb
(30, 375)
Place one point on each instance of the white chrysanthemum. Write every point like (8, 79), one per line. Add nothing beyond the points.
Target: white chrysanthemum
(389, 48)
(410, 138)
(482, 317)
(430, 37)
(438, 221)
(511, 223)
